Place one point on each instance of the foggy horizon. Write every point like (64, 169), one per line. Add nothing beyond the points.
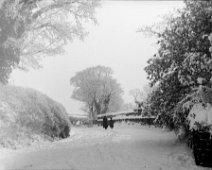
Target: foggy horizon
(114, 42)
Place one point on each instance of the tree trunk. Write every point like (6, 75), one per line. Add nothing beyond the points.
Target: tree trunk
(106, 103)
(91, 114)
(97, 107)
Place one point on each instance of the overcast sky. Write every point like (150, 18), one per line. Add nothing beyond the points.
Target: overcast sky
(114, 42)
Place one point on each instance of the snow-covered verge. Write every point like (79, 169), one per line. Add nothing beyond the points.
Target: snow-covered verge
(27, 115)
(126, 147)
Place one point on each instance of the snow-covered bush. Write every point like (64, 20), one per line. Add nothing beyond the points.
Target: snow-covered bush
(26, 111)
(200, 116)
(194, 112)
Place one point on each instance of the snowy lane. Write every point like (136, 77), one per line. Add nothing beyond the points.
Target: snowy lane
(124, 148)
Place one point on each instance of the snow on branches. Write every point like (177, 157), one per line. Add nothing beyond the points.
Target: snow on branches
(195, 109)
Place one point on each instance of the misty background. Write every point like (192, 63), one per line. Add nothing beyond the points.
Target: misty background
(113, 42)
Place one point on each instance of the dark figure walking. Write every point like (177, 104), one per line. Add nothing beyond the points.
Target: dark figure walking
(111, 123)
(105, 122)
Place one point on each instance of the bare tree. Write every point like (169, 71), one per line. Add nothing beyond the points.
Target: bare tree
(137, 94)
(97, 89)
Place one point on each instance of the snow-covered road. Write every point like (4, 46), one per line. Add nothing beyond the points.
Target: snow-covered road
(123, 148)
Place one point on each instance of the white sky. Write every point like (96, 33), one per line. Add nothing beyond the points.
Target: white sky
(113, 43)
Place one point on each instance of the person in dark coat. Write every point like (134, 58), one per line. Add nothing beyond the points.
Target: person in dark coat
(111, 123)
(105, 122)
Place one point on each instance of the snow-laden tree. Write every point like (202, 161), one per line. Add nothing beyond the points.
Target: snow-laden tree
(183, 59)
(96, 87)
(33, 29)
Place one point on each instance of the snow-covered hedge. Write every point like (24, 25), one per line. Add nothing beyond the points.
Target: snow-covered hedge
(194, 112)
(26, 112)
(200, 116)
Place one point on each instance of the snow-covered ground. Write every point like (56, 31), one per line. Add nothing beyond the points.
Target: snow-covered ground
(126, 147)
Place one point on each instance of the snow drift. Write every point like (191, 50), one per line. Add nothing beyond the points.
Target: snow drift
(26, 114)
